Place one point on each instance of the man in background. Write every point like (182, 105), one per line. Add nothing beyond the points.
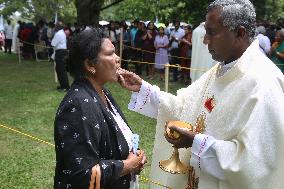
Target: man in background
(8, 30)
(175, 36)
(59, 42)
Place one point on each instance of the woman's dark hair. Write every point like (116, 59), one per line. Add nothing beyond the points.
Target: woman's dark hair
(84, 45)
(151, 22)
(188, 27)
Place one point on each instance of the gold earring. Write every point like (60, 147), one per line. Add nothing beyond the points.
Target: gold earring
(93, 72)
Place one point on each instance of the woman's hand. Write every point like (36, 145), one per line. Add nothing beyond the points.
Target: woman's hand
(144, 158)
(134, 163)
(274, 46)
(129, 80)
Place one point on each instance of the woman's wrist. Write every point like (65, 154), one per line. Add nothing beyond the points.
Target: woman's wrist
(125, 169)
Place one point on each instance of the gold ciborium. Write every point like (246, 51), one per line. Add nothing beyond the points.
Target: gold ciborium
(174, 165)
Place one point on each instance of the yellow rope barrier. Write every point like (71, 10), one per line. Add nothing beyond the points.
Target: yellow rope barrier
(123, 46)
(28, 43)
(139, 49)
(137, 61)
(153, 182)
(144, 179)
(27, 135)
(174, 66)
(152, 63)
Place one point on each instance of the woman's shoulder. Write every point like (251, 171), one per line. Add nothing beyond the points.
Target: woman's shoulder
(79, 94)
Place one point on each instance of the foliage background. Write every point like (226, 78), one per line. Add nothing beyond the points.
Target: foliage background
(192, 11)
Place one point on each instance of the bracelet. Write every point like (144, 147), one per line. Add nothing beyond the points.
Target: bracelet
(278, 53)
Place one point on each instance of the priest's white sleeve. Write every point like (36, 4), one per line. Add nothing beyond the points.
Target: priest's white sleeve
(203, 156)
(146, 101)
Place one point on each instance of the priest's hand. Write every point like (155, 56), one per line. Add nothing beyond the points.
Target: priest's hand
(185, 139)
(129, 80)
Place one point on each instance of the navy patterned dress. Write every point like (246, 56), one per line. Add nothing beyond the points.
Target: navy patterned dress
(86, 134)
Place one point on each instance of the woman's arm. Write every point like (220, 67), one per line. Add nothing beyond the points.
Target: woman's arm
(280, 54)
(144, 37)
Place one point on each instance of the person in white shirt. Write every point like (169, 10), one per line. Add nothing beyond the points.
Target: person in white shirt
(167, 29)
(15, 40)
(8, 30)
(236, 110)
(59, 42)
(264, 41)
(176, 35)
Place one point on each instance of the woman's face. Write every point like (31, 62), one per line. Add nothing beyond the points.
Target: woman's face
(278, 37)
(108, 63)
(151, 25)
(187, 30)
(161, 31)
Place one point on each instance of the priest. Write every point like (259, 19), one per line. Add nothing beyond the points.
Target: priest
(236, 109)
(201, 59)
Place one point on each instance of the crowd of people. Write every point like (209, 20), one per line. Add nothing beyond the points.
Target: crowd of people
(146, 45)
(152, 44)
(173, 44)
(235, 108)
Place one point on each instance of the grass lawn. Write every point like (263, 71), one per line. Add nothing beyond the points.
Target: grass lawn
(28, 102)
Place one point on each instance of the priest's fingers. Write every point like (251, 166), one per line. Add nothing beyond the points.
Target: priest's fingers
(130, 75)
(183, 131)
(176, 142)
(121, 81)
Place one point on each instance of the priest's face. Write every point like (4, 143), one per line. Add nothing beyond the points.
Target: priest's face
(220, 40)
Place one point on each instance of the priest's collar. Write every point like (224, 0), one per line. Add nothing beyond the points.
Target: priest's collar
(224, 68)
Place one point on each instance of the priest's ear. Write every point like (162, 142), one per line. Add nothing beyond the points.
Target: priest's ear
(241, 32)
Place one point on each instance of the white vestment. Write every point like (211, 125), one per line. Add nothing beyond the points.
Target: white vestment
(15, 39)
(201, 60)
(243, 143)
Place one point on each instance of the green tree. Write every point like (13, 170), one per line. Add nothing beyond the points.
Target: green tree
(35, 10)
(189, 11)
(269, 10)
(192, 11)
(88, 11)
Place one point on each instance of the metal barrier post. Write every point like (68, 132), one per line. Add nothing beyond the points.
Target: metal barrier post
(19, 52)
(120, 44)
(55, 74)
(35, 48)
(167, 71)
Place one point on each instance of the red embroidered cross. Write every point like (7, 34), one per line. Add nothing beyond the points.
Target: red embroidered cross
(210, 104)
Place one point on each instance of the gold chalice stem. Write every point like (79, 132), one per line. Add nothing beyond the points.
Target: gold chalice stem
(174, 165)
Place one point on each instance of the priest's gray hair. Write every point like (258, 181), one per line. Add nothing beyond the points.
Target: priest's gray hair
(236, 13)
